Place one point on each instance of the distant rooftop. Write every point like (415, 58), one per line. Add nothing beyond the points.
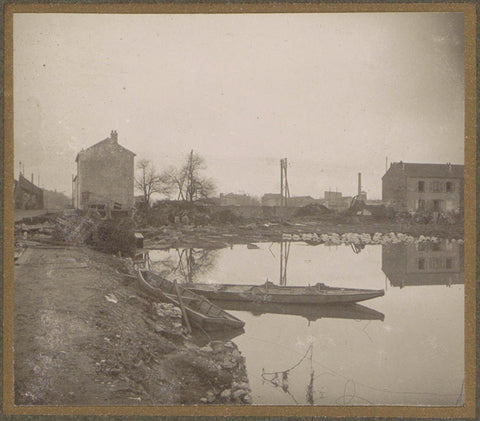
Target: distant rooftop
(429, 170)
(113, 139)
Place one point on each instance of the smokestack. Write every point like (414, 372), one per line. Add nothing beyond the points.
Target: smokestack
(359, 183)
(32, 177)
(114, 135)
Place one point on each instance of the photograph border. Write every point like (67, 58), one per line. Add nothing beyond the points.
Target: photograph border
(466, 411)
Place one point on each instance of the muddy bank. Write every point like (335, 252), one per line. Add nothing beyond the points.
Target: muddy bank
(85, 335)
(218, 236)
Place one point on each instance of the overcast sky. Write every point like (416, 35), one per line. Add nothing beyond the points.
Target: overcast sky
(334, 93)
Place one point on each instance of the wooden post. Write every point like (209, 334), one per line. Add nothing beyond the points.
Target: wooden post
(281, 182)
(184, 312)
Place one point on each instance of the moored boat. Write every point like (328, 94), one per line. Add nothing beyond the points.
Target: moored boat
(271, 293)
(201, 312)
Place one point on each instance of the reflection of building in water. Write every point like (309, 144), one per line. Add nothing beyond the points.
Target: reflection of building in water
(425, 263)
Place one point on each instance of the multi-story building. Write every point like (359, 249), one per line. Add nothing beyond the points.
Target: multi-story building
(423, 187)
(105, 176)
(27, 195)
(335, 201)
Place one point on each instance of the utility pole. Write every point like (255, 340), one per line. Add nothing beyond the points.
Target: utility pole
(281, 182)
(284, 190)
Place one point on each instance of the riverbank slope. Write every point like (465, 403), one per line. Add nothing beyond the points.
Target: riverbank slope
(85, 335)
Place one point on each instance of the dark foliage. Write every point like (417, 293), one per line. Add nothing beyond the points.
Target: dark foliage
(113, 236)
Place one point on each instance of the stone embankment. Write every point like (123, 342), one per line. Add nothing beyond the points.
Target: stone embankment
(363, 238)
(177, 236)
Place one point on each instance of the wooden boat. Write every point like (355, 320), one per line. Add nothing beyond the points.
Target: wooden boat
(271, 293)
(201, 312)
(311, 312)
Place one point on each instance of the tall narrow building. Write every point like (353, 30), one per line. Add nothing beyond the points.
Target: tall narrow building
(105, 177)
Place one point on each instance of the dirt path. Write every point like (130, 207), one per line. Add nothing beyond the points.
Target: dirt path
(85, 336)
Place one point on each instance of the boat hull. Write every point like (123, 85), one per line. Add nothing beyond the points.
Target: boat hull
(283, 295)
(201, 312)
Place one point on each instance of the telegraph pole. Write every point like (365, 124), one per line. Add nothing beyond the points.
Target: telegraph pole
(284, 190)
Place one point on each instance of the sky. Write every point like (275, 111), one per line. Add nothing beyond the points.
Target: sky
(335, 93)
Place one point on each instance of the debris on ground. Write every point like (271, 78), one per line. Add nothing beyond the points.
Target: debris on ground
(89, 337)
(73, 229)
(314, 209)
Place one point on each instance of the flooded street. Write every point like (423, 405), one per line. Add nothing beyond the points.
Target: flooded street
(405, 348)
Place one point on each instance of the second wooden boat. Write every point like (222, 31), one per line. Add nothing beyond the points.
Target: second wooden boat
(201, 312)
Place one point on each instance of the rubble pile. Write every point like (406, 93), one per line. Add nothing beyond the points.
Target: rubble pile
(314, 209)
(73, 229)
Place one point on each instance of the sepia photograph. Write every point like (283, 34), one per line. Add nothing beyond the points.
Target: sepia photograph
(239, 209)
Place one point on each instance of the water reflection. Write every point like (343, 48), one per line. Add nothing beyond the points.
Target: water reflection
(414, 357)
(203, 338)
(357, 248)
(284, 253)
(187, 263)
(423, 263)
(280, 378)
(310, 312)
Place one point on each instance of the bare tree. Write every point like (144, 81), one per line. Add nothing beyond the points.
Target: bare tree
(189, 182)
(149, 182)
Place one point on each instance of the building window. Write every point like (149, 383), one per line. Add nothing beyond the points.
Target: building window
(436, 263)
(436, 186)
(85, 196)
(449, 187)
(449, 263)
(437, 205)
(421, 264)
(421, 205)
(421, 186)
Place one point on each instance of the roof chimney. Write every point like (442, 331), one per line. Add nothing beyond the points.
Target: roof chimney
(114, 135)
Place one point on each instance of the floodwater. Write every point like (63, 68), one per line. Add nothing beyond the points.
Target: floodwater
(405, 348)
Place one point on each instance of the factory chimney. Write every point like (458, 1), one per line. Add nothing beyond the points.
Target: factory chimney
(359, 183)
